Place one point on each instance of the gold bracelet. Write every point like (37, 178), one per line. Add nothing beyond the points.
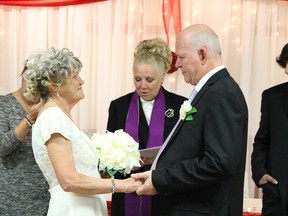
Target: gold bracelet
(113, 184)
(28, 121)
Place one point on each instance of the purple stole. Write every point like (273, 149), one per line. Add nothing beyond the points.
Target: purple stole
(141, 205)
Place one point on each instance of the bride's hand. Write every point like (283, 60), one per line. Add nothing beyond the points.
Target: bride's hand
(128, 185)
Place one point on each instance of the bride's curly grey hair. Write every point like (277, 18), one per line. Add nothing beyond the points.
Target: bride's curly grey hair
(46, 68)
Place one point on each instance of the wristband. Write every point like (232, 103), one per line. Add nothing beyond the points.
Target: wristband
(28, 121)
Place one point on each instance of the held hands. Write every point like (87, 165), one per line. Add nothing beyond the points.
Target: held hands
(129, 185)
(146, 188)
(267, 178)
(141, 183)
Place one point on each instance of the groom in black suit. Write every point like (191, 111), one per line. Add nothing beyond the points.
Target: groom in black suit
(201, 169)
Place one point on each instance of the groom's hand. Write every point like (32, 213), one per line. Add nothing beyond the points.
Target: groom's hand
(147, 187)
(127, 185)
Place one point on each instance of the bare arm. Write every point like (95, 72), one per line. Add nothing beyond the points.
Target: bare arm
(61, 156)
(13, 130)
(23, 128)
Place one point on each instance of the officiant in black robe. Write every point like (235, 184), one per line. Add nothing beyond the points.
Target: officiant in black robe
(148, 114)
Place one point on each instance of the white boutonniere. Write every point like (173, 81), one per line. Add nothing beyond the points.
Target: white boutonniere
(118, 152)
(186, 111)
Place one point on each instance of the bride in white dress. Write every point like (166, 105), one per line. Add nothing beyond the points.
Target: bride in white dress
(63, 152)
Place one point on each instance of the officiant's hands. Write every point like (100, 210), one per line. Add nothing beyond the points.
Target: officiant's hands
(146, 161)
(147, 187)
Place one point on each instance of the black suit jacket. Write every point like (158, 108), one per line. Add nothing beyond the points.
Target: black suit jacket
(270, 149)
(117, 117)
(201, 170)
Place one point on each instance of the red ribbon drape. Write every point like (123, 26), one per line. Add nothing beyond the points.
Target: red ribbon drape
(46, 3)
(171, 9)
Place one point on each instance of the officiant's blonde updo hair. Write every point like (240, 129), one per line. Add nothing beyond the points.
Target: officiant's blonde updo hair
(154, 52)
(47, 68)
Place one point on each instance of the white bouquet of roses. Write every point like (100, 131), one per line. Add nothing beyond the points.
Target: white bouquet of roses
(118, 152)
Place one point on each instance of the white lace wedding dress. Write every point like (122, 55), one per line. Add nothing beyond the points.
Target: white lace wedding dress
(54, 120)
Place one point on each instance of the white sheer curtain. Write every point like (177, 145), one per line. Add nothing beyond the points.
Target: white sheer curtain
(104, 35)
